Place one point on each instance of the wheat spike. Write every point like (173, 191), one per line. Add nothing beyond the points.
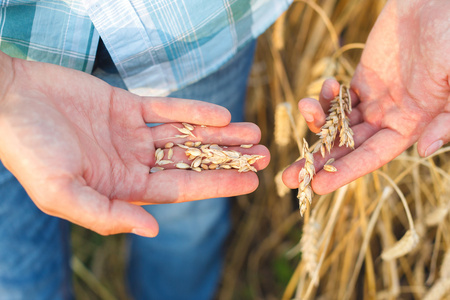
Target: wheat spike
(337, 121)
(282, 130)
(309, 244)
(405, 245)
(305, 192)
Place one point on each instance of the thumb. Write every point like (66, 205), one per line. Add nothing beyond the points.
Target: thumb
(436, 134)
(82, 205)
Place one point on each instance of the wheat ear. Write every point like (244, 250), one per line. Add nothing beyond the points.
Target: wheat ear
(305, 192)
(310, 244)
(337, 121)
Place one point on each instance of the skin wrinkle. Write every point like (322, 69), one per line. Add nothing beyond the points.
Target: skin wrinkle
(119, 175)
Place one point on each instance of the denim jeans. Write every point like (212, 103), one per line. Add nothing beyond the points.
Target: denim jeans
(183, 262)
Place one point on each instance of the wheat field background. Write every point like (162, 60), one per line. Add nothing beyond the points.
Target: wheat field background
(335, 251)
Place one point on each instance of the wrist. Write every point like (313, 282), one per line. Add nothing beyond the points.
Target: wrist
(6, 76)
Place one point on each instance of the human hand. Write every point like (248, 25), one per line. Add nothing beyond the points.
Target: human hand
(401, 94)
(82, 149)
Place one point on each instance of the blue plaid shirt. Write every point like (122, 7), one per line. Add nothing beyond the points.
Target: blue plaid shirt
(158, 46)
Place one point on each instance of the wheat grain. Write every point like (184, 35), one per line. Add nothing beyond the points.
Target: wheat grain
(186, 131)
(405, 245)
(330, 161)
(159, 154)
(156, 169)
(247, 146)
(188, 126)
(164, 162)
(182, 136)
(182, 165)
(330, 168)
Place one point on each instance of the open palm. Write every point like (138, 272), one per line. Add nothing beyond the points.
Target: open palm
(401, 93)
(82, 149)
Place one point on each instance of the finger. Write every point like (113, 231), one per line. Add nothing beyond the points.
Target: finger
(329, 91)
(315, 117)
(163, 110)
(435, 135)
(233, 134)
(170, 186)
(82, 205)
(313, 113)
(371, 155)
(362, 132)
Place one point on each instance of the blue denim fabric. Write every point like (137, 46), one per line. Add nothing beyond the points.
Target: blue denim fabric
(183, 262)
(34, 247)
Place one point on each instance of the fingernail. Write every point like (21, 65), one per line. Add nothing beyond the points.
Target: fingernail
(143, 232)
(328, 94)
(308, 117)
(434, 147)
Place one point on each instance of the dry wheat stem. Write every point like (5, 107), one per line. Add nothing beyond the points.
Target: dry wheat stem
(347, 47)
(410, 240)
(325, 19)
(370, 226)
(438, 290)
(326, 237)
(402, 198)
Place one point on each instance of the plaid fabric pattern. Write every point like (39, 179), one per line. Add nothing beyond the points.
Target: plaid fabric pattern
(158, 46)
(57, 32)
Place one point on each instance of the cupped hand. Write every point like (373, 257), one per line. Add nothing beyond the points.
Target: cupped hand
(401, 94)
(83, 152)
